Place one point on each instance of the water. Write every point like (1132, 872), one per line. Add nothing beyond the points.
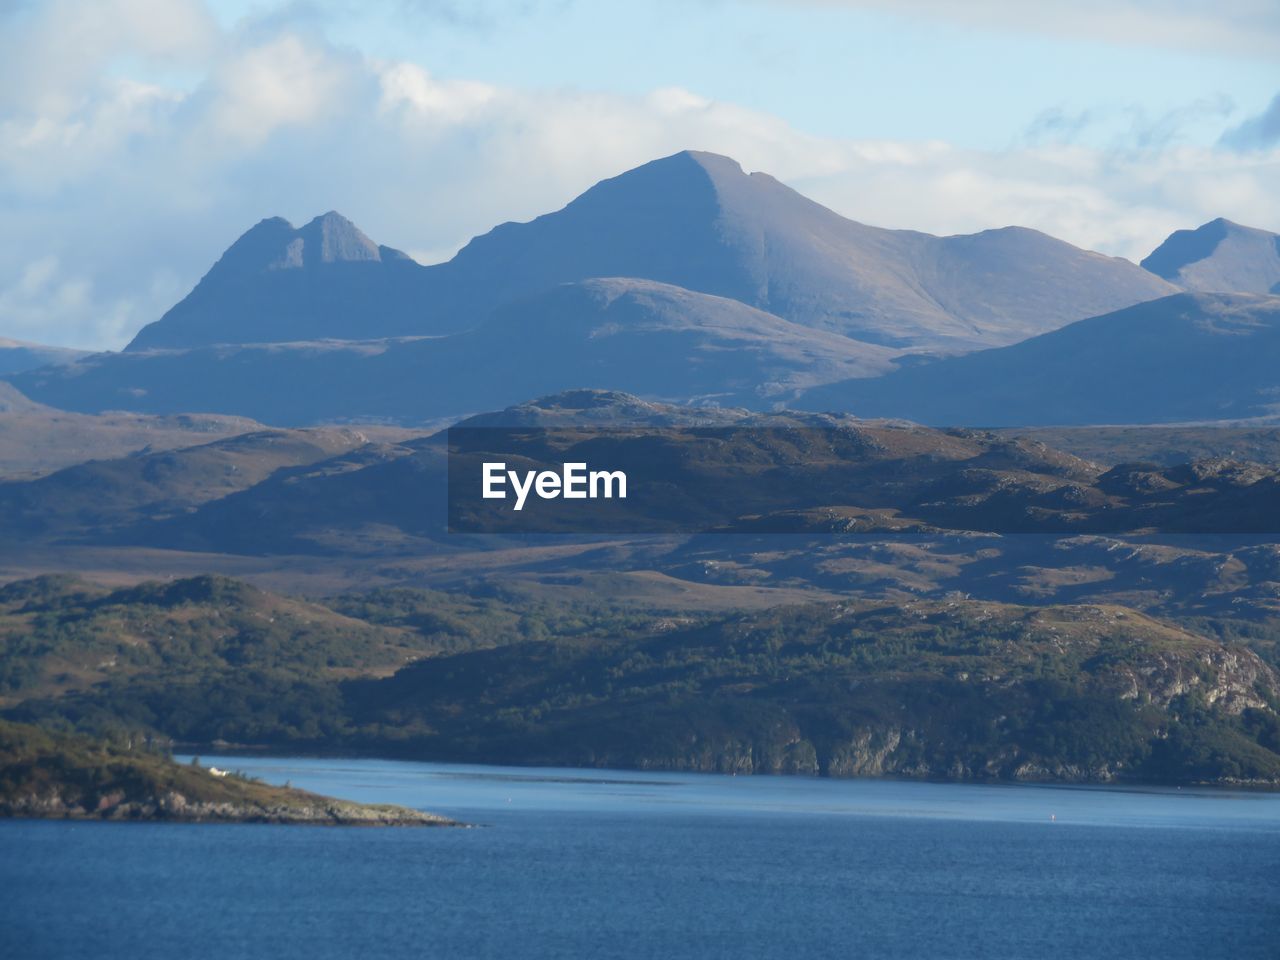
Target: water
(573, 863)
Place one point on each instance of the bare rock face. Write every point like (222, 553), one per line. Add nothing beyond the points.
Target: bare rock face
(867, 755)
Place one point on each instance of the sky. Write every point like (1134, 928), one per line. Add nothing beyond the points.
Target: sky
(139, 138)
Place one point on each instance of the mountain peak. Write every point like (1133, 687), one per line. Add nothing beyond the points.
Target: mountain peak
(683, 175)
(275, 244)
(280, 282)
(1219, 256)
(711, 162)
(331, 238)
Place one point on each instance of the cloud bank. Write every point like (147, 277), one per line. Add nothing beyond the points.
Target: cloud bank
(118, 193)
(1251, 27)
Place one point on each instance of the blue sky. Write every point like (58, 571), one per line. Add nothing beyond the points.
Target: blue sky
(833, 70)
(138, 138)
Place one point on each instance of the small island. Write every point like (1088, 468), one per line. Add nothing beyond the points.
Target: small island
(69, 777)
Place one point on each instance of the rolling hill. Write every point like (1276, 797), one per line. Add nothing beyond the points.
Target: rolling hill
(1189, 357)
(16, 356)
(644, 337)
(36, 439)
(954, 689)
(99, 495)
(691, 470)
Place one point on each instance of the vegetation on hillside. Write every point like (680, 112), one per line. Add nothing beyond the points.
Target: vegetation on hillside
(44, 774)
(951, 688)
(60, 633)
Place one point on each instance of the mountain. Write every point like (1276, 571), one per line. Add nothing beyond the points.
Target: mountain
(1189, 357)
(15, 355)
(1219, 256)
(325, 279)
(697, 220)
(692, 220)
(644, 337)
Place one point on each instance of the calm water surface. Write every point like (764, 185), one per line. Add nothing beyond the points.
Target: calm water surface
(573, 863)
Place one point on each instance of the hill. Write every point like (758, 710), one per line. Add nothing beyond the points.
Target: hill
(1163, 445)
(953, 689)
(1189, 357)
(1219, 256)
(645, 338)
(690, 469)
(16, 356)
(36, 439)
(648, 338)
(63, 634)
(99, 495)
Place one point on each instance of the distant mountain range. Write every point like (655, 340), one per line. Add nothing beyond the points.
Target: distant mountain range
(1190, 357)
(686, 280)
(693, 220)
(16, 356)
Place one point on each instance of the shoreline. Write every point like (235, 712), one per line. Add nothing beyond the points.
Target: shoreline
(184, 751)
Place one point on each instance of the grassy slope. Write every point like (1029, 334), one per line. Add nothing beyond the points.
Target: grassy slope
(59, 634)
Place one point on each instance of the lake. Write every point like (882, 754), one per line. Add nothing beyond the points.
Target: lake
(591, 864)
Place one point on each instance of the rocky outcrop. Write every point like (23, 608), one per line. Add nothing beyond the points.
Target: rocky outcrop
(174, 806)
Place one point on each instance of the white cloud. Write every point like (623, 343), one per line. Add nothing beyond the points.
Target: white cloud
(282, 82)
(118, 194)
(1119, 202)
(52, 54)
(46, 295)
(1231, 26)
